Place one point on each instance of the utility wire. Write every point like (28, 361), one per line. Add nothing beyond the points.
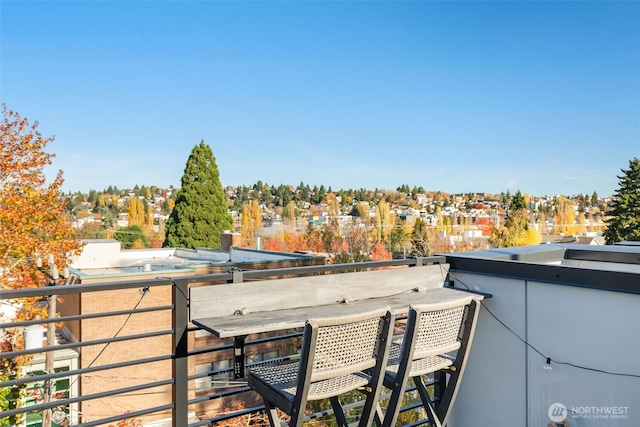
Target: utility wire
(145, 291)
(531, 346)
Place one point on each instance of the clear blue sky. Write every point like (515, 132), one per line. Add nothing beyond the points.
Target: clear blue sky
(453, 96)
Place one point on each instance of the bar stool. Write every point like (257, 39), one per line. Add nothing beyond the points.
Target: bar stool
(338, 355)
(432, 333)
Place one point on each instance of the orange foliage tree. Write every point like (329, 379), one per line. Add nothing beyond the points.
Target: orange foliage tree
(295, 242)
(272, 245)
(484, 224)
(33, 222)
(380, 253)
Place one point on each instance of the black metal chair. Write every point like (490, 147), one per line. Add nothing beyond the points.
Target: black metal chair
(338, 355)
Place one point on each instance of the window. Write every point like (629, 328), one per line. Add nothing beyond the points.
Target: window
(213, 381)
(222, 379)
(203, 383)
(262, 357)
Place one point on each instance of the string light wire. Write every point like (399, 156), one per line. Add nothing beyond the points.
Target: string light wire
(544, 356)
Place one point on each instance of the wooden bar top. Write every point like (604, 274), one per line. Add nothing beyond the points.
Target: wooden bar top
(245, 323)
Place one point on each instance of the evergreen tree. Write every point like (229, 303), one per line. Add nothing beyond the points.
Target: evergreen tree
(623, 223)
(267, 196)
(518, 201)
(322, 193)
(200, 213)
(305, 192)
(398, 240)
(132, 237)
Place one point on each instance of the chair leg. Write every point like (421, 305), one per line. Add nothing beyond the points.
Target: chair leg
(272, 413)
(379, 416)
(426, 402)
(338, 412)
(393, 408)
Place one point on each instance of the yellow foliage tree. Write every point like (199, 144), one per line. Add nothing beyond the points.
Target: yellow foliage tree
(136, 212)
(251, 222)
(517, 231)
(565, 217)
(33, 223)
(384, 221)
(291, 215)
(582, 224)
(148, 223)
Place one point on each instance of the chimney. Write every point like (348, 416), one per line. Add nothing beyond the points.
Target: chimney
(228, 239)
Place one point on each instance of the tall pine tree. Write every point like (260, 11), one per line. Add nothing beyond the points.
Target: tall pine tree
(200, 213)
(623, 223)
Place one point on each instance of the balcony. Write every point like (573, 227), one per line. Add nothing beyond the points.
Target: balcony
(557, 341)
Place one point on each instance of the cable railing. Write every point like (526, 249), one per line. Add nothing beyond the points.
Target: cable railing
(132, 356)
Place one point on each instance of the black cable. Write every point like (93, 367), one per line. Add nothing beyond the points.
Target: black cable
(175, 285)
(145, 290)
(531, 346)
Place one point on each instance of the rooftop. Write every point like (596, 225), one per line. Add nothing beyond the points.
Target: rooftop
(104, 258)
(560, 327)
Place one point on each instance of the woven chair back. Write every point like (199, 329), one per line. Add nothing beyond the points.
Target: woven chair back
(438, 329)
(348, 347)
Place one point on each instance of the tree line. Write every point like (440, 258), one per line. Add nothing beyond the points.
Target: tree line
(252, 205)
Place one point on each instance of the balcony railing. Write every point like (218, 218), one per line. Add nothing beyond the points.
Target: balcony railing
(139, 363)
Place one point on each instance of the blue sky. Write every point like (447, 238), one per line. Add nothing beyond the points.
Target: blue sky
(543, 97)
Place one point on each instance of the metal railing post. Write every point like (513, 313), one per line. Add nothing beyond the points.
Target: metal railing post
(180, 361)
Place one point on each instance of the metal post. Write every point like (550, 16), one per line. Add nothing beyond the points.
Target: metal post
(238, 357)
(180, 365)
(49, 356)
(48, 362)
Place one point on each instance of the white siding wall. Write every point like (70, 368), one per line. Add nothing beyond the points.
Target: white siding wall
(505, 383)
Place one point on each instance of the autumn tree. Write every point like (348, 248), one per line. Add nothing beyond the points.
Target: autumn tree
(201, 213)
(582, 224)
(136, 214)
(517, 231)
(485, 225)
(360, 210)
(420, 238)
(384, 221)
(565, 217)
(542, 223)
(33, 222)
(354, 246)
(332, 239)
(380, 253)
(290, 213)
(148, 220)
(623, 223)
(251, 222)
(294, 241)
